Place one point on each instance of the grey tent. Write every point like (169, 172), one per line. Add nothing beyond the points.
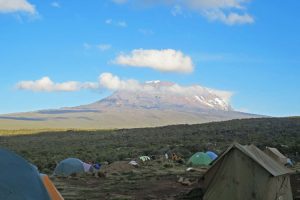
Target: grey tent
(19, 180)
(277, 155)
(68, 167)
(245, 172)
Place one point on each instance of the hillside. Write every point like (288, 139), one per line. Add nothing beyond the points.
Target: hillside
(156, 104)
(109, 145)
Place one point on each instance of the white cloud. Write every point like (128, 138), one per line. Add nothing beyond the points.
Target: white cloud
(112, 82)
(45, 84)
(213, 4)
(222, 10)
(230, 19)
(166, 60)
(10, 6)
(229, 12)
(55, 4)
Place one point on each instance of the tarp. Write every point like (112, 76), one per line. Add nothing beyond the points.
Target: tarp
(264, 160)
(19, 180)
(199, 158)
(245, 172)
(69, 166)
(277, 155)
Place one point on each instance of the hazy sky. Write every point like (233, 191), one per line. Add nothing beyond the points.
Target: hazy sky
(53, 52)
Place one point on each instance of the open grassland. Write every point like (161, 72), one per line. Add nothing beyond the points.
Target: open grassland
(5, 132)
(158, 179)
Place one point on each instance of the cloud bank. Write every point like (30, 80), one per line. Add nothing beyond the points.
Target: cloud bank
(11, 6)
(108, 81)
(166, 60)
(230, 12)
(112, 82)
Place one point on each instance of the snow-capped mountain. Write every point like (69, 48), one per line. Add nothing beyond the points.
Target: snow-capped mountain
(163, 95)
(153, 103)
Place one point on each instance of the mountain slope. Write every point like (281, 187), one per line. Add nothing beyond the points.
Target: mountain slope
(156, 104)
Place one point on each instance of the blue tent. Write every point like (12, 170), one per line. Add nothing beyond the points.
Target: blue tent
(212, 155)
(19, 180)
(69, 166)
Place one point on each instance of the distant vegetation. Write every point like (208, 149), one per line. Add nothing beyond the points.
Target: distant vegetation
(46, 148)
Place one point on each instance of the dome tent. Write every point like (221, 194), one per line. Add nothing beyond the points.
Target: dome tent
(69, 166)
(19, 180)
(199, 159)
(212, 155)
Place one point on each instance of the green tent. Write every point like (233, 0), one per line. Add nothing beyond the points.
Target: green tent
(199, 159)
(19, 180)
(246, 172)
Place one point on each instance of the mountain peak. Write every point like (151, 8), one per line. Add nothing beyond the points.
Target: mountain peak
(167, 95)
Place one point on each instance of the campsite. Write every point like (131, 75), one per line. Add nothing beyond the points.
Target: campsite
(149, 100)
(158, 178)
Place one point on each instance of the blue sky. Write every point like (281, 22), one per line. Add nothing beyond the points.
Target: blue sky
(250, 48)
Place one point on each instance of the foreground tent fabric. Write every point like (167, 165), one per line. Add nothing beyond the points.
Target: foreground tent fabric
(52, 191)
(245, 172)
(277, 155)
(199, 159)
(69, 166)
(19, 180)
